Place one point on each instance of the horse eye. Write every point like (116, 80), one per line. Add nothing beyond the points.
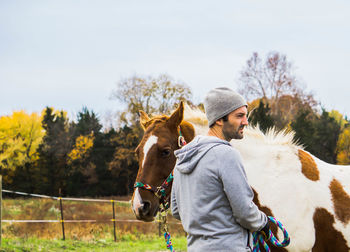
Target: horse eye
(165, 152)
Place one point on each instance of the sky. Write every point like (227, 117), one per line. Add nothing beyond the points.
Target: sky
(72, 53)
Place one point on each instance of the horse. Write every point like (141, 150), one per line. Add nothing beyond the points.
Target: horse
(156, 158)
(310, 197)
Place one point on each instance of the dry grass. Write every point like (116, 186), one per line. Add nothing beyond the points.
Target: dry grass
(47, 209)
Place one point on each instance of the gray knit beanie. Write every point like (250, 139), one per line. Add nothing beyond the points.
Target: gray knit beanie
(220, 102)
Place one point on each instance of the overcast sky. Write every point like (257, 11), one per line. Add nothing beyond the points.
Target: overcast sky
(70, 53)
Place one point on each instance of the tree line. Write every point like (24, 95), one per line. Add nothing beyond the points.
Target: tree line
(48, 152)
(279, 100)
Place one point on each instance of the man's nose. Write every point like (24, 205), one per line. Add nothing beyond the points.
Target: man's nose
(245, 121)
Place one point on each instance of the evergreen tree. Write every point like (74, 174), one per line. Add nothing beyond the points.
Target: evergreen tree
(124, 164)
(304, 129)
(318, 134)
(102, 155)
(261, 117)
(51, 173)
(88, 122)
(328, 131)
(89, 173)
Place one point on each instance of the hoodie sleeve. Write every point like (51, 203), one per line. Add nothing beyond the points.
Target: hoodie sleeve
(174, 209)
(237, 189)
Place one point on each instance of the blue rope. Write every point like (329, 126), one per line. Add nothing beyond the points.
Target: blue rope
(169, 245)
(258, 237)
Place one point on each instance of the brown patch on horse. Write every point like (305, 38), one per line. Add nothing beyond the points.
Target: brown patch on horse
(327, 237)
(308, 166)
(341, 201)
(273, 227)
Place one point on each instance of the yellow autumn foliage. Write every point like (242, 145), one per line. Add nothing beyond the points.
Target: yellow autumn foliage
(82, 145)
(339, 118)
(343, 146)
(20, 136)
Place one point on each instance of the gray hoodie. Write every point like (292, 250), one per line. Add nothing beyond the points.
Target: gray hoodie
(212, 198)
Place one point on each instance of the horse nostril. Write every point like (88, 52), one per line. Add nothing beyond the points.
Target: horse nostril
(145, 208)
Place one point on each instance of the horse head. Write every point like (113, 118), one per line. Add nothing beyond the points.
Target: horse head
(156, 159)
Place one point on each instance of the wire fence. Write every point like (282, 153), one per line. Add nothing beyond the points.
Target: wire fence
(62, 220)
(62, 198)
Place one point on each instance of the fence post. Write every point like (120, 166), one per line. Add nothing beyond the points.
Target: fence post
(159, 225)
(114, 220)
(62, 220)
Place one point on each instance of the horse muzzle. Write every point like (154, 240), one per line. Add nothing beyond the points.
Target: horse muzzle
(143, 209)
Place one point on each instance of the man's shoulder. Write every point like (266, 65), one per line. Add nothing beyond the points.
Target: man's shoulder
(224, 150)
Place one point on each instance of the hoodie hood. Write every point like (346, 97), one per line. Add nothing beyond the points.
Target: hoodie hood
(189, 155)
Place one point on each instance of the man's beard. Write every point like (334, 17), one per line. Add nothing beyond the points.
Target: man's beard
(230, 132)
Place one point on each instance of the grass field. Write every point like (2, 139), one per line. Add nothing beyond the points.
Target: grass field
(99, 236)
(126, 244)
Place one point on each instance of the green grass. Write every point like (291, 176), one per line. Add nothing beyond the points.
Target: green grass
(124, 244)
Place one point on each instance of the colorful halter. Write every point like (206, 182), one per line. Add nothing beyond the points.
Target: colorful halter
(160, 191)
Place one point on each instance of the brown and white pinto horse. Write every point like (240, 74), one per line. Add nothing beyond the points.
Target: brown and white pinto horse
(310, 197)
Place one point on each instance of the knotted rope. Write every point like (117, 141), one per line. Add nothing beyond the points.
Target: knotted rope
(169, 245)
(257, 236)
(163, 219)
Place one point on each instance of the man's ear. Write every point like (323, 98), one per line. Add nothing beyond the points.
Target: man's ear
(219, 122)
(144, 119)
(176, 117)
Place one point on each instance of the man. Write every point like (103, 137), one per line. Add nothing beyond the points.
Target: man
(210, 193)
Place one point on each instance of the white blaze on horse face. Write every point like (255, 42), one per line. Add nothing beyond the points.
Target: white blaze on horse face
(152, 140)
(137, 201)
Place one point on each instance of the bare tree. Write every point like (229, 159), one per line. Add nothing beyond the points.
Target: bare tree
(267, 79)
(273, 79)
(152, 95)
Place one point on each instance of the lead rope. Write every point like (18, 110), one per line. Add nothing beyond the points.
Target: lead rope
(257, 236)
(163, 215)
(163, 209)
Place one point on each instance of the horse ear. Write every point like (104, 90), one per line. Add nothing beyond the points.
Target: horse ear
(176, 117)
(144, 119)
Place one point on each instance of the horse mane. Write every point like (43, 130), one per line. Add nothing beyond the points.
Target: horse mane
(150, 124)
(272, 137)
